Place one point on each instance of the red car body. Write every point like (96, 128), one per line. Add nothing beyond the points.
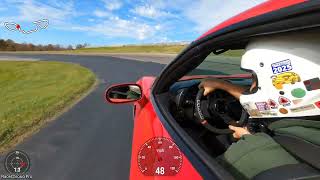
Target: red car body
(146, 121)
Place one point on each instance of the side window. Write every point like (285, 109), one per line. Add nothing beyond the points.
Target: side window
(223, 64)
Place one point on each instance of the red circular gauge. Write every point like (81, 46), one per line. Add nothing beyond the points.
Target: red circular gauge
(159, 156)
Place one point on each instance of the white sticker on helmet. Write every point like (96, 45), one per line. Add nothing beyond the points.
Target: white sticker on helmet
(281, 66)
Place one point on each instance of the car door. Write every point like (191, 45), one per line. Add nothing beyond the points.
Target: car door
(147, 126)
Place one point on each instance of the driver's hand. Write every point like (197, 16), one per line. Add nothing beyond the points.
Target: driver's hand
(210, 85)
(239, 131)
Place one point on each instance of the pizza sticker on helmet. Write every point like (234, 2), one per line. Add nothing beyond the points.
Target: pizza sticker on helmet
(283, 111)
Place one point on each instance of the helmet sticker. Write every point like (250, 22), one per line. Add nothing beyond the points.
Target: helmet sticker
(263, 109)
(281, 66)
(296, 101)
(283, 111)
(262, 106)
(312, 84)
(298, 93)
(254, 113)
(303, 108)
(317, 104)
(246, 106)
(284, 101)
(285, 78)
(269, 113)
(272, 104)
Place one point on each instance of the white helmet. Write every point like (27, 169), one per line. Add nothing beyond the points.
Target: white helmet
(287, 68)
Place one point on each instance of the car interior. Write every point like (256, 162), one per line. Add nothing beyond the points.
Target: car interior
(180, 103)
(217, 107)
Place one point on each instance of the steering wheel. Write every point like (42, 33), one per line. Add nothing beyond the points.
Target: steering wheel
(224, 116)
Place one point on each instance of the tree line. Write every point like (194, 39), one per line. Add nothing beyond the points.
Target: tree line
(10, 45)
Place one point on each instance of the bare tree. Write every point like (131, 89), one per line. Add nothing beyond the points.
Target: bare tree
(70, 47)
(10, 45)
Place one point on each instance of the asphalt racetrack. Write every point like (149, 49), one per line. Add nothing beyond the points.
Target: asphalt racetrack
(93, 139)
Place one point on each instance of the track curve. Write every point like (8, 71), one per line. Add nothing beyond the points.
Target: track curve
(93, 139)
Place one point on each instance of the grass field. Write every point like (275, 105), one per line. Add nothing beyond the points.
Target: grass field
(224, 64)
(165, 49)
(129, 49)
(32, 92)
(169, 49)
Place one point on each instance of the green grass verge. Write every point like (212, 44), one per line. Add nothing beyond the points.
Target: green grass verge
(32, 92)
(224, 64)
(169, 49)
(233, 53)
(130, 49)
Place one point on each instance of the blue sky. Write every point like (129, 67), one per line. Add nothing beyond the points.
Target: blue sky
(115, 22)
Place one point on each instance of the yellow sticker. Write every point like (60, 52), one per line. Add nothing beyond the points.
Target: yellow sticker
(285, 78)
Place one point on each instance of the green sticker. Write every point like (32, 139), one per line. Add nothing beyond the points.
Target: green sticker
(298, 93)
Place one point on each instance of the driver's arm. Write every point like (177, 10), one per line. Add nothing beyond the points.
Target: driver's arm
(210, 85)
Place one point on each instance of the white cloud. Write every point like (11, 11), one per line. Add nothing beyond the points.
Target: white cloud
(149, 11)
(166, 18)
(208, 13)
(117, 27)
(57, 12)
(109, 7)
(100, 13)
(112, 4)
(2, 9)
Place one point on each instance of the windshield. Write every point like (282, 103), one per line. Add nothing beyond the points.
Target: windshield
(227, 63)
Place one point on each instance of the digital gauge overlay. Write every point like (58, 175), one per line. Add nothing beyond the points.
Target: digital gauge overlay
(159, 156)
(17, 162)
